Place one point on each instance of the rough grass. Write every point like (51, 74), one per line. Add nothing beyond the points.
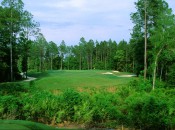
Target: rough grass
(93, 79)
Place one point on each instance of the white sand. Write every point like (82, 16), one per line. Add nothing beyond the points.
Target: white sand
(127, 76)
(107, 73)
(116, 71)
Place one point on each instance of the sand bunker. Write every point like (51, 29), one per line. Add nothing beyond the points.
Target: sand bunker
(107, 73)
(127, 76)
(116, 72)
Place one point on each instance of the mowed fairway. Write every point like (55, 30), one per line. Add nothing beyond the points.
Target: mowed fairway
(85, 79)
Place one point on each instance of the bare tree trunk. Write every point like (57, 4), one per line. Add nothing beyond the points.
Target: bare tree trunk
(51, 62)
(161, 72)
(105, 63)
(40, 66)
(87, 62)
(61, 63)
(126, 63)
(96, 55)
(155, 67)
(101, 57)
(91, 61)
(145, 55)
(133, 65)
(154, 72)
(80, 63)
(69, 63)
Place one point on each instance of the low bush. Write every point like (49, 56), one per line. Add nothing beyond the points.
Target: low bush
(130, 106)
(147, 111)
(12, 88)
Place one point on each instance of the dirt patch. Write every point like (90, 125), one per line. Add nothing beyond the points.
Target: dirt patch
(69, 125)
(55, 92)
(112, 89)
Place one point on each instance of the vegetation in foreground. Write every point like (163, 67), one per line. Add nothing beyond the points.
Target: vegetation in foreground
(132, 106)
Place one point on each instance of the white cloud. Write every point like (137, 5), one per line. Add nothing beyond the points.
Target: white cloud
(69, 20)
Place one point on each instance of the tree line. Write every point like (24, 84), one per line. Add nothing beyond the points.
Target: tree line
(150, 51)
(86, 55)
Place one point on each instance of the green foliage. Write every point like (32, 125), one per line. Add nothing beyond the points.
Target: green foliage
(141, 85)
(14, 22)
(133, 105)
(171, 76)
(71, 99)
(12, 88)
(148, 111)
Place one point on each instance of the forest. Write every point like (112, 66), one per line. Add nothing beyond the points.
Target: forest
(150, 54)
(150, 49)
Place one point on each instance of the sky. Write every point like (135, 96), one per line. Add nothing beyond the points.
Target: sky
(69, 20)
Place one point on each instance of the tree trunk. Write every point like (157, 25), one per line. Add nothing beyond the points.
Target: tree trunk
(61, 64)
(69, 63)
(126, 63)
(80, 63)
(155, 67)
(91, 61)
(161, 72)
(40, 64)
(11, 50)
(133, 66)
(51, 63)
(145, 55)
(154, 72)
(88, 62)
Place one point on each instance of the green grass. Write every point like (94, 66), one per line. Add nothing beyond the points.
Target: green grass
(86, 79)
(24, 125)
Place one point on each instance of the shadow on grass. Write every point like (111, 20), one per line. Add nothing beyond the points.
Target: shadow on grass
(24, 125)
(38, 74)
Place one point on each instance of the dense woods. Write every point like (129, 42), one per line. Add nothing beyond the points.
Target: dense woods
(150, 54)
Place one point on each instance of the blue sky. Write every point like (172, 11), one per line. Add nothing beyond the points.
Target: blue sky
(69, 20)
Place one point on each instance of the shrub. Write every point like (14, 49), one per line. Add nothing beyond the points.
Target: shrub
(12, 88)
(171, 76)
(71, 98)
(147, 111)
(9, 107)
